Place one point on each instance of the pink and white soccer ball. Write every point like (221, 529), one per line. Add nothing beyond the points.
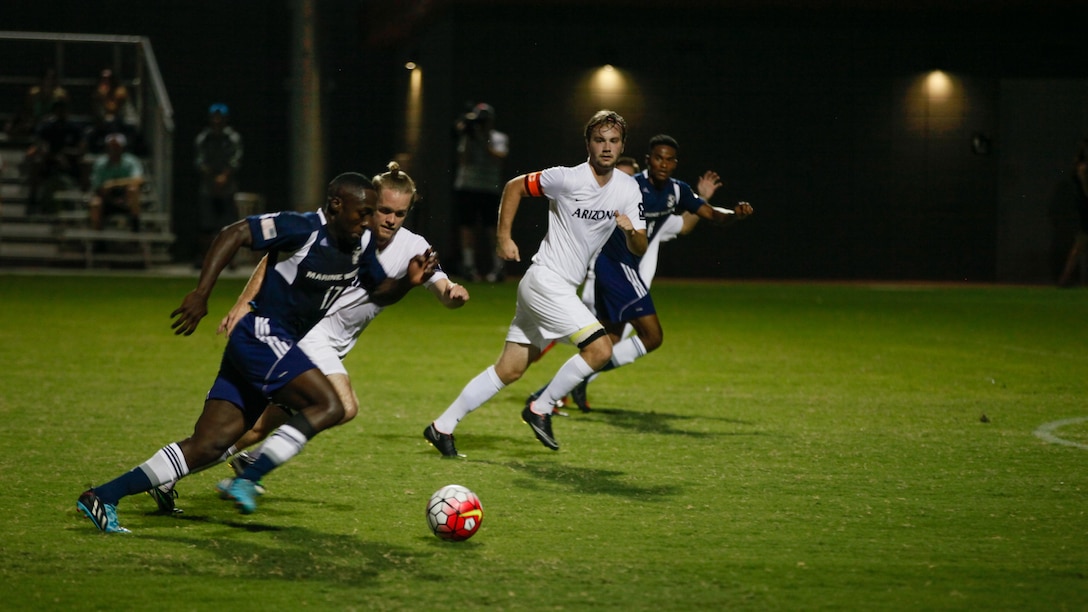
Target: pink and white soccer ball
(454, 513)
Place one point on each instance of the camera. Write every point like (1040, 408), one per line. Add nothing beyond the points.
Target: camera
(478, 116)
(468, 121)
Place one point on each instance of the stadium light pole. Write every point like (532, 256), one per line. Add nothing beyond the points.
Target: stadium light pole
(307, 154)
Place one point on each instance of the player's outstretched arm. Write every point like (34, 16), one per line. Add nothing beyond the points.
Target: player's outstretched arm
(724, 216)
(194, 306)
(249, 293)
(706, 187)
(449, 293)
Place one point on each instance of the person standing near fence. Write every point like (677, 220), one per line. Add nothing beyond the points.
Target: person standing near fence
(218, 156)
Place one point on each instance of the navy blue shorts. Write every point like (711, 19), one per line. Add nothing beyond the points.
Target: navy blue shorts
(620, 293)
(260, 359)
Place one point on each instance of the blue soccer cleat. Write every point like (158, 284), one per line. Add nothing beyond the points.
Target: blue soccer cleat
(104, 516)
(244, 494)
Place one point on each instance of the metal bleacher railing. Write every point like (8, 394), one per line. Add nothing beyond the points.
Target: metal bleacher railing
(77, 59)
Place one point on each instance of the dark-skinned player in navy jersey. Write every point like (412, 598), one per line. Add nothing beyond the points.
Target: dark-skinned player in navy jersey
(313, 258)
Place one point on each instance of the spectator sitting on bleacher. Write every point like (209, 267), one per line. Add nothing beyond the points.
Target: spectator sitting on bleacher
(116, 179)
(54, 160)
(110, 98)
(36, 105)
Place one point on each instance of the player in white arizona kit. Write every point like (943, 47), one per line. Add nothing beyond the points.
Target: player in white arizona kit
(621, 294)
(585, 204)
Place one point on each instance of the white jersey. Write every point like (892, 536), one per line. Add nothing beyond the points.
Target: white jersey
(353, 311)
(581, 215)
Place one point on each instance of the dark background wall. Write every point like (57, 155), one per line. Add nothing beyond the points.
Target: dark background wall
(812, 111)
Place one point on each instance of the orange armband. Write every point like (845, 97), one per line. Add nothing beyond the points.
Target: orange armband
(532, 185)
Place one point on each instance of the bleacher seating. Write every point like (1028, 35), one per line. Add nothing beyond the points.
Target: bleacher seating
(65, 237)
(60, 233)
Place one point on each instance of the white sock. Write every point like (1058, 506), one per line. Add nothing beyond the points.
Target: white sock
(476, 392)
(627, 351)
(570, 374)
(165, 466)
(468, 259)
(284, 443)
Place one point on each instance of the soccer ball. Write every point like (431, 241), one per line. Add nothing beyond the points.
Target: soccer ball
(454, 513)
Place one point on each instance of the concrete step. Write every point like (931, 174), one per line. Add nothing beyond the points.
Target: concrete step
(29, 250)
(28, 230)
(12, 210)
(13, 191)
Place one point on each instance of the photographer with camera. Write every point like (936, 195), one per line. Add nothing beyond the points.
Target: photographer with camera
(478, 185)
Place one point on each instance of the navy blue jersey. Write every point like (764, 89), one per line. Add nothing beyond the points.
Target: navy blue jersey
(657, 204)
(306, 273)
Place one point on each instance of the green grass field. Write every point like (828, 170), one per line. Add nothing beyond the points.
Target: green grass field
(790, 447)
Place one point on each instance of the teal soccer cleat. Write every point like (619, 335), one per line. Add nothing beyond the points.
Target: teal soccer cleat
(104, 516)
(244, 493)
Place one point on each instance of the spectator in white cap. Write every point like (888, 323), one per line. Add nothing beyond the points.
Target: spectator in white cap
(116, 179)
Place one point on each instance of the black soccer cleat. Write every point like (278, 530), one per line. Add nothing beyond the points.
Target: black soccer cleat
(164, 495)
(240, 461)
(541, 425)
(578, 394)
(443, 442)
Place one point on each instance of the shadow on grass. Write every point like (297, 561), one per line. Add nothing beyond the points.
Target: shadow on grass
(210, 520)
(579, 479)
(658, 422)
(298, 554)
(654, 422)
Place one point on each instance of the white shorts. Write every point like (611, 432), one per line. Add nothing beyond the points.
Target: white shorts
(335, 335)
(549, 309)
(322, 353)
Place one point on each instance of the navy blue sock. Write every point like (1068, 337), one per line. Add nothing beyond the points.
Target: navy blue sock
(135, 481)
(256, 471)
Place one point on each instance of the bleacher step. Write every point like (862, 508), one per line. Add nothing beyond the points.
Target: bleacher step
(12, 210)
(27, 230)
(14, 191)
(29, 250)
